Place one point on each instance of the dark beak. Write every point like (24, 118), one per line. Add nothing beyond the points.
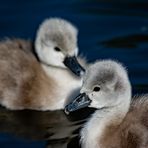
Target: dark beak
(79, 102)
(74, 66)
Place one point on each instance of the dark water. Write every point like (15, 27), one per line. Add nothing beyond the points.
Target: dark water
(107, 29)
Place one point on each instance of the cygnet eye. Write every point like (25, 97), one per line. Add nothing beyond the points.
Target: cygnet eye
(96, 88)
(57, 49)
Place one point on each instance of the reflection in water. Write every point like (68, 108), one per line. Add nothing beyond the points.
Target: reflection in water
(131, 41)
(55, 127)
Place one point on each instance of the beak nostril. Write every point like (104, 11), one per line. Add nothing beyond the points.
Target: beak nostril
(79, 100)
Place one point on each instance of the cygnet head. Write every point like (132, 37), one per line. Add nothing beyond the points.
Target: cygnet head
(56, 45)
(105, 84)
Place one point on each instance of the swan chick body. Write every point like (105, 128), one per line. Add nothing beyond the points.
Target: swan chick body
(118, 122)
(46, 83)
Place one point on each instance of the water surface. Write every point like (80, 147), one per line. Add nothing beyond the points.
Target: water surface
(107, 29)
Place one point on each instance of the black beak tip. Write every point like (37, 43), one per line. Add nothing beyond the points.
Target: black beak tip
(68, 109)
(74, 66)
(80, 72)
(79, 102)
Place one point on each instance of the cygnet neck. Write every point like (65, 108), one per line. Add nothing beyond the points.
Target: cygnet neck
(103, 120)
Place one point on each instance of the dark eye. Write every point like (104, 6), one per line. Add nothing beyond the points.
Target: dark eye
(97, 88)
(57, 49)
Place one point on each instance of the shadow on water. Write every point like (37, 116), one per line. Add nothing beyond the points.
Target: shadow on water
(54, 128)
